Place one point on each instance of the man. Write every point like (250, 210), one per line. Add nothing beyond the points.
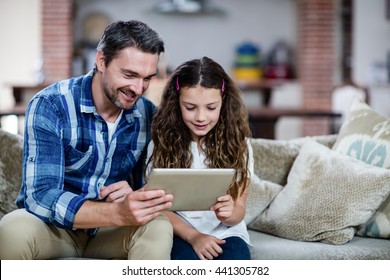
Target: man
(84, 143)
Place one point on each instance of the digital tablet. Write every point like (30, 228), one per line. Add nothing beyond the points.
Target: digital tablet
(193, 189)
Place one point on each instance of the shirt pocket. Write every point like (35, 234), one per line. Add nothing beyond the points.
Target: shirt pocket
(77, 161)
(124, 160)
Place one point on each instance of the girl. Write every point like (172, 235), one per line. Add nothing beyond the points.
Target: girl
(201, 122)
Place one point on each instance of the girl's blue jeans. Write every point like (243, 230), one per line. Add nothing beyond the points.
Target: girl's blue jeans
(234, 249)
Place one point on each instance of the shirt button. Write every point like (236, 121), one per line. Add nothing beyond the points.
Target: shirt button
(108, 159)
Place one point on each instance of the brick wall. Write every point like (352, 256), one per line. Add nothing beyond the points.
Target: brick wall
(316, 58)
(57, 41)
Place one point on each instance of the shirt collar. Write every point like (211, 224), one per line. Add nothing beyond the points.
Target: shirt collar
(86, 102)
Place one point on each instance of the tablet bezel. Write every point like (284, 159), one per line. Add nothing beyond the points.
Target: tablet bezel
(193, 189)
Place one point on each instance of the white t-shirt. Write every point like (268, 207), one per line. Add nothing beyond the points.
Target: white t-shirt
(112, 126)
(206, 221)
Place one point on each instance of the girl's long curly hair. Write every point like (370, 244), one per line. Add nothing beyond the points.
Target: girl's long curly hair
(224, 146)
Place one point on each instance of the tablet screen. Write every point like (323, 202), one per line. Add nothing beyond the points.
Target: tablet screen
(193, 189)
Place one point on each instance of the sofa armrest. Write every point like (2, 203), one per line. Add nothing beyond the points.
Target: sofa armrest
(273, 158)
(11, 153)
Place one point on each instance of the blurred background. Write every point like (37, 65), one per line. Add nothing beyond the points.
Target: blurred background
(292, 52)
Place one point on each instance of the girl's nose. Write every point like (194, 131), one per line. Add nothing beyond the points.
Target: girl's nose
(200, 116)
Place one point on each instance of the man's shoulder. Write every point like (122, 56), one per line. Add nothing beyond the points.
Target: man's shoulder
(144, 105)
(58, 88)
(148, 103)
(56, 91)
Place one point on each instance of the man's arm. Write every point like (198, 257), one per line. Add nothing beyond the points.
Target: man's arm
(137, 208)
(43, 166)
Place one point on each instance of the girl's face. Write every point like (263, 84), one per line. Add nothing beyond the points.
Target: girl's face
(200, 109)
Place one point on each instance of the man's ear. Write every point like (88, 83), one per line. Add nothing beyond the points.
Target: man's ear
(100, 58)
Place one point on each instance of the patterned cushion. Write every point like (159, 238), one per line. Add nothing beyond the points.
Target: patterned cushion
(327, 195)
(365, 135)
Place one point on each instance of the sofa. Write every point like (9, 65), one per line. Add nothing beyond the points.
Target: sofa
(323, 197)
(308, 199)
(272, 240)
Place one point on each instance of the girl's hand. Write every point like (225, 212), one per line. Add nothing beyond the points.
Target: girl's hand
(207, 246)
(223, 208)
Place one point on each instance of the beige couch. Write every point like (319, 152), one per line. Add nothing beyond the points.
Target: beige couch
(273, 162)
(288, 232)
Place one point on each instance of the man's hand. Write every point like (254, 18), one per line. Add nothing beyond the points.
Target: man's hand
(122, 207)
(115, 192)
(141, 206)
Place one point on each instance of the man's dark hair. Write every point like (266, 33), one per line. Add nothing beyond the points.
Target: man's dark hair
(122, 34)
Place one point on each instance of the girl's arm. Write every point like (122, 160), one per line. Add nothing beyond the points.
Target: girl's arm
(180, 227)
(231, 212)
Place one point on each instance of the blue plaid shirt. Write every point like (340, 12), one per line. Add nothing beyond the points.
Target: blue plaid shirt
(67, 156)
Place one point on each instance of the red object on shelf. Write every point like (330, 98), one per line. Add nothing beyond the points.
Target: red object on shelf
(278, 71)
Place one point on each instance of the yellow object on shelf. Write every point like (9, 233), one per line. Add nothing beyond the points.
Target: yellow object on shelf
(247, 73)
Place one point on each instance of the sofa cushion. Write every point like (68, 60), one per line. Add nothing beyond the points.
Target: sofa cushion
(379, 224)
(260, 195)
(327, 195)
(273, 158)
(11, 149)
(270, 247)
(365, 135)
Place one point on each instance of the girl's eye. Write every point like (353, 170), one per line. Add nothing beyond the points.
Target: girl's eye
(211, 108)
(190, 108)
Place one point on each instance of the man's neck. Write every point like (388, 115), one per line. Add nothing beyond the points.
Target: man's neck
(104, 107)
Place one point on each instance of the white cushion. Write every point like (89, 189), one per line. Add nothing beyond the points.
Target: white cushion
(260, 195)
(327, 195)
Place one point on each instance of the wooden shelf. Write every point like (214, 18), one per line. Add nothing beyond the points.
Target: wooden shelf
(263, 119)
(263, 86)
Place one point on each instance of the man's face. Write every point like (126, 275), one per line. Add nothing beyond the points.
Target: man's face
(127, 76)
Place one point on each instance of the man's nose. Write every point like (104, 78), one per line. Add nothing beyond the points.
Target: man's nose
(137, 86)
